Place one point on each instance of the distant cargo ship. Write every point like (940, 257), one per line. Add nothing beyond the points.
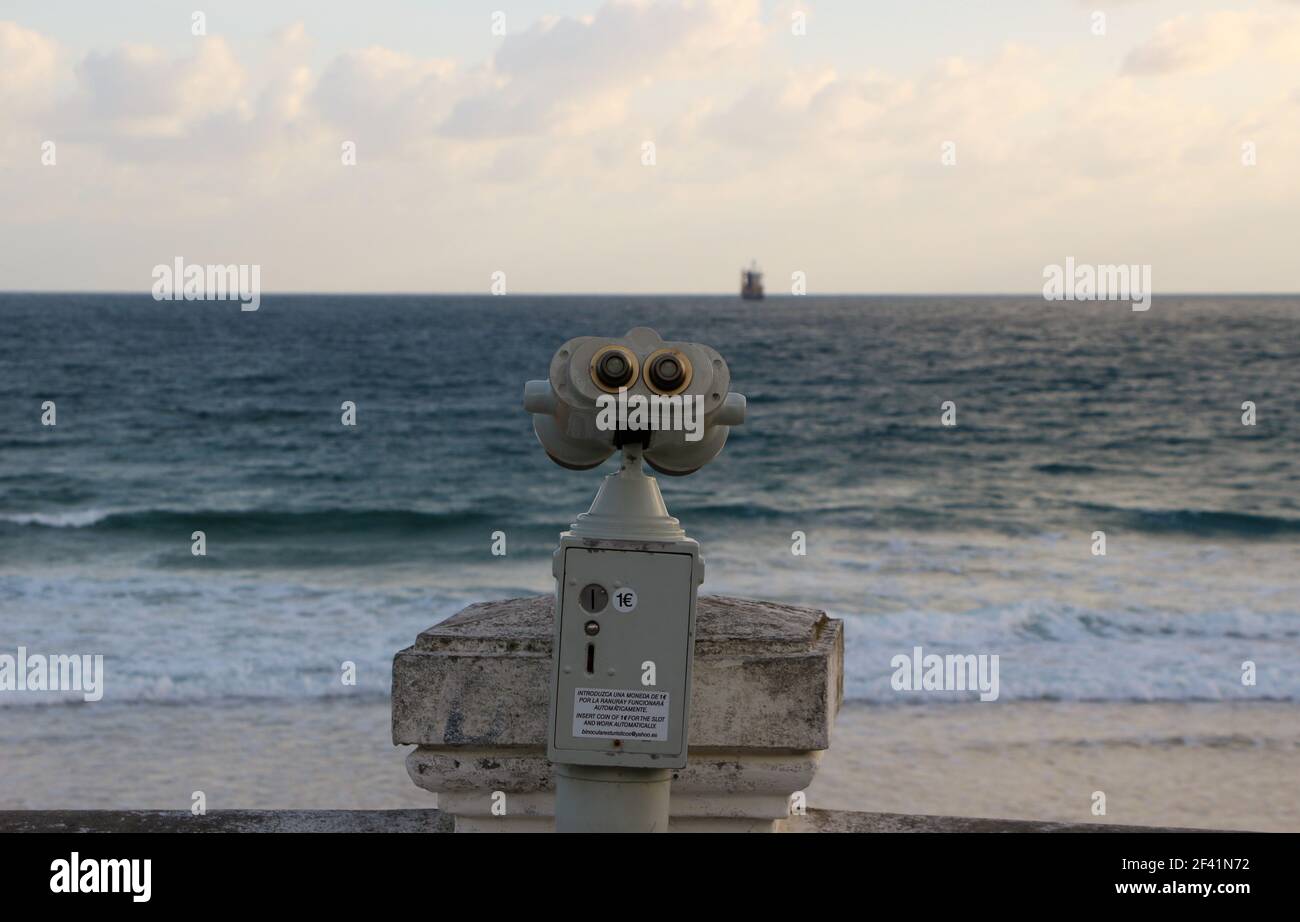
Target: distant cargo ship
(751, 283)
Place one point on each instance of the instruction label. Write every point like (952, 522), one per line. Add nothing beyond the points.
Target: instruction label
(618, 713)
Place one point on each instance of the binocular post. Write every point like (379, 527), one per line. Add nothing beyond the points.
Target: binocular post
(626, 578)
(597, 798)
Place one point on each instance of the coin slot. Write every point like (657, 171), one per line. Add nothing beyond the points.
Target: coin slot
(593, 598)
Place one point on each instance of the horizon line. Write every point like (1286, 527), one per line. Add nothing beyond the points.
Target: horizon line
(642, 294)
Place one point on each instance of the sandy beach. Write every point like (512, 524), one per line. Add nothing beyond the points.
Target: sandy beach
(1204, 765)
(1207, 765)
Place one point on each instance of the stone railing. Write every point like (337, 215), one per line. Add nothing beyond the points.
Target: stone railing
(472, 696)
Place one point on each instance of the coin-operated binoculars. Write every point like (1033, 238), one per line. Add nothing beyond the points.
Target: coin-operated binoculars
(626, 574)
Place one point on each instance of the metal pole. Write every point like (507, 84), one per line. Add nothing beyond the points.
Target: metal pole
(600, 798)
(590, 798)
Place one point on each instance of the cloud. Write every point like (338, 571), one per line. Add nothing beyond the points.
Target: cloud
(1209, 42)
(565, 74)
(28, 68)
(284, 95)
(877, 117)
(765, 143)
(384, 96)
(140, 92)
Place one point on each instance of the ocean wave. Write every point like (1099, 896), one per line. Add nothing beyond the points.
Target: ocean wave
(725, 512)
(157, 693)
(1056, 652)
(250, 522)
(1065, 469)
(176, 640)
(287, 523)
(1199, 521)
(78, 518)
(700, 511)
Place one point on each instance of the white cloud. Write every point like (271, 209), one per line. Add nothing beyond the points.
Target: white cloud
(877, 118)
(28, 68)
(1212, 41)
(529, 159)
(283, 97)
(385, 97)
(140, 92)
(570, 75)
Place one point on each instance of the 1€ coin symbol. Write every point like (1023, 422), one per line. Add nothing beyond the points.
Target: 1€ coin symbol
(625, 600)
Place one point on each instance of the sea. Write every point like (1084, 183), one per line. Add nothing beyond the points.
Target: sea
(329, 544)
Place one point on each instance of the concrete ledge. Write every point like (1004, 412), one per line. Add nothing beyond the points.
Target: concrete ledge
(847, 821)
(178, 821)
(527, 771)
(767, 676)
(172, 821)
(473, 695)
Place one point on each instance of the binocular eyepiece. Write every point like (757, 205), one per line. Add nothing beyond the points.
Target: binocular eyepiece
(614, 367)
(672, 397)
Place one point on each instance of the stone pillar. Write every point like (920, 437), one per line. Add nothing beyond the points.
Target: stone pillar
(472, 693)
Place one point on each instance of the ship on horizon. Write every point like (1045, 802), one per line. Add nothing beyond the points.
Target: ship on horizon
(751, 283)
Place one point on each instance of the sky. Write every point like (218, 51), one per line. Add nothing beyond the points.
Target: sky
(650, 145)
